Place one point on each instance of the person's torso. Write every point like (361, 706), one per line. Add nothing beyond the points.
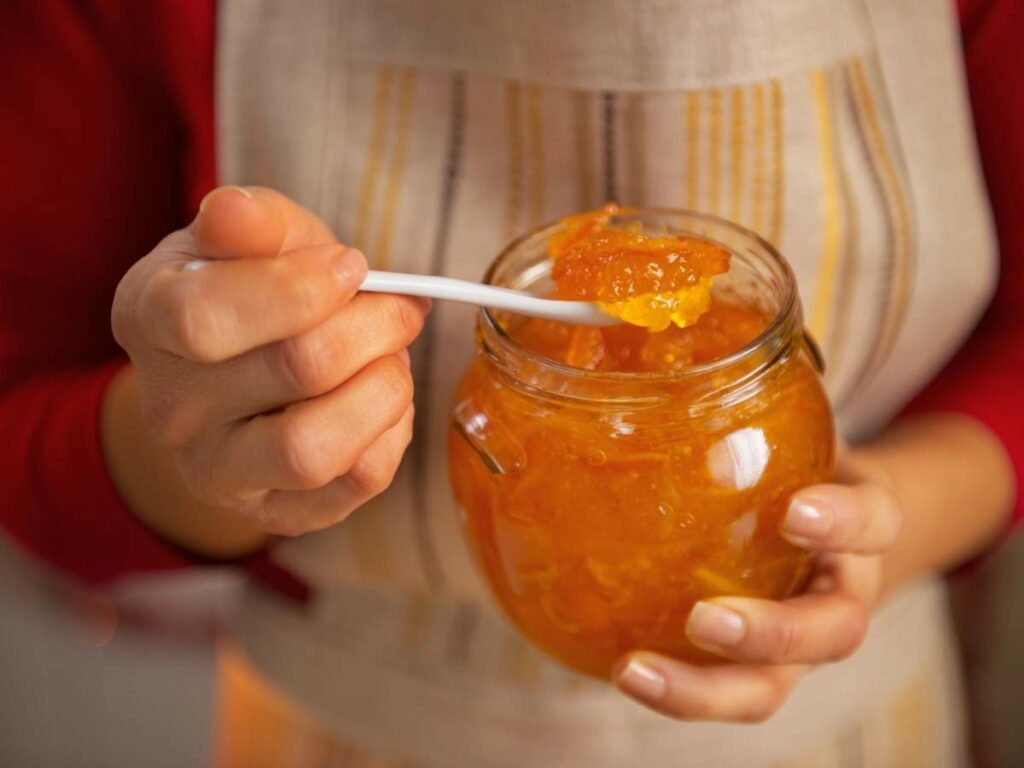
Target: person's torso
(430, 134)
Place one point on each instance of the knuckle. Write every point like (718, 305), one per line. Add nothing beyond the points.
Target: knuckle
(300, 455)
(394, 384)
(763, 711)
(402, 318)
(891, 513)
(783, 641)
(190, 323)
(305, 295)
(853, 634)
(122, 323)
(372, 477)
(308, 362)
(166, 418)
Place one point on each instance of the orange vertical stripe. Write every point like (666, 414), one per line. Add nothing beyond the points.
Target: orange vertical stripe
(714, 151)
(692, 145)
(374, 153)
(778, 171)
(738, 160)
(382, 256)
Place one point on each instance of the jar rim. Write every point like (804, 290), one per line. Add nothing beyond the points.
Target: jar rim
(785, 316)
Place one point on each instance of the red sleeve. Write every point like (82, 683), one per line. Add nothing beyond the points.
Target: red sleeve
(59, 501)
(109, 148)
(986, 378)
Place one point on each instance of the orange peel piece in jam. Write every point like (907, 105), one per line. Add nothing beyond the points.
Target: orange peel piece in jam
(643, 279)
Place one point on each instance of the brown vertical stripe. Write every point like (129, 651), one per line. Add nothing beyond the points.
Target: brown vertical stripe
(584, 140)
(611, 190)
(418, 616)
(396, 173)
(875, 329)
(635, 134)
(738, 160)
(895, 197)
(374, 153)
(714, 201)
(778, 169)
(535, 165)
(424, 364)
(514, 150)
(692, 175)
(460, 634)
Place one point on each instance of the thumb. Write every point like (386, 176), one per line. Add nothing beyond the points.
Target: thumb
(254, 222)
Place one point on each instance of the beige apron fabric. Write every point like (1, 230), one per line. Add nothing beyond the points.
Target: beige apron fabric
(429, 133)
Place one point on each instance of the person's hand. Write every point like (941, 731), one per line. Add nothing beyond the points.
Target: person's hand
(284, 396)
(770, 645)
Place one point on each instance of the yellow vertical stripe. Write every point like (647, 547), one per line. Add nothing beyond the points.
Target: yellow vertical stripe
(584, 140)
(692, 146)
(536, 165)
(738, 160)
(831, 213)
(910, 718)
(715, 151)
(382, 255)
(520, 662)
(778, 171)
(374, 154)
(758, 192)
(514, 192)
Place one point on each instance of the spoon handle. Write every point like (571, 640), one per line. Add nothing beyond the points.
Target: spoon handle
(520, 302)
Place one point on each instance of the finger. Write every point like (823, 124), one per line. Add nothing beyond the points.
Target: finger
(229, 307)
(369, 327)
(811, 629)
(254, 222)
(289, 513)
(310, 443)
(864, 518)
(731, 693)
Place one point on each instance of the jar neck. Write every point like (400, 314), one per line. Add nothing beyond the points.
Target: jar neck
(758, 275)
(717, 383)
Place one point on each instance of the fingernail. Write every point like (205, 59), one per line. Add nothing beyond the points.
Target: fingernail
(347, 263)
(243, 190)
(194, 265)
(642, 681)
(807, 520)
(712, 624)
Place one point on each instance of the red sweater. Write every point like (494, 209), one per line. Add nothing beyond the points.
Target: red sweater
(107, 141)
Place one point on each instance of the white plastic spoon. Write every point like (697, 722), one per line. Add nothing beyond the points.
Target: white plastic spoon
(520, 302)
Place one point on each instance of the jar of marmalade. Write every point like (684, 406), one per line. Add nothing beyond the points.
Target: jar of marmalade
(603, 504)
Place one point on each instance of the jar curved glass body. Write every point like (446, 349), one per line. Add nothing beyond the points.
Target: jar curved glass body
(602, 506)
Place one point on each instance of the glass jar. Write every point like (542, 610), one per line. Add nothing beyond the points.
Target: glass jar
(602, 506)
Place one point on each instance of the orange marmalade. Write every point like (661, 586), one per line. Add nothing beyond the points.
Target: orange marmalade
(609, 478)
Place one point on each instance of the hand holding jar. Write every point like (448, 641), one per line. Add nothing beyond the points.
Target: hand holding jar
(849, 525)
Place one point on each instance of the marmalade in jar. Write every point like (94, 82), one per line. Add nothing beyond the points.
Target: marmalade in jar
(611, 477)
